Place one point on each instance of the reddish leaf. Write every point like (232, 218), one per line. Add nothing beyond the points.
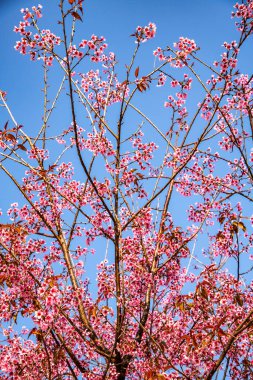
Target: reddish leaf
(71, 2)
(37, 333)
(33, 331)
(143, 84)
(220, 235)
(92, 312)
(242, 226)
(2, 278)
(77, 16)
(186, 337)
(221, 219)
(203, 292)
(10, 137)
(140, 87)
(136, 73)
(194, 341)
(22, 147)
(220, 332)
(239, 299)
(5, 225)
(6, 124)
(51, 167)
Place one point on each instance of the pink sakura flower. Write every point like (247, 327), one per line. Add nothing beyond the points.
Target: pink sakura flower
(186, 46)
(144, 33)
(36, 12)
(38, 314)
(160, 54)
(96, 46)
(161, 80)
(74, 53)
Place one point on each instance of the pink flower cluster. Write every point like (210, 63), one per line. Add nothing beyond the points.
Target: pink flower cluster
(144, 151)
(34, 44)
(101, 91)
(74, 52)
(97, 143)
(144, 33)
(185, 46)
(159, 52)
(245, 13)
(36, 12)
(96, 46)
(161, 80)
(40, 154)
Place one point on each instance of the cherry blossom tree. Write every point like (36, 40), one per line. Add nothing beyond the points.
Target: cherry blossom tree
(133, 260)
